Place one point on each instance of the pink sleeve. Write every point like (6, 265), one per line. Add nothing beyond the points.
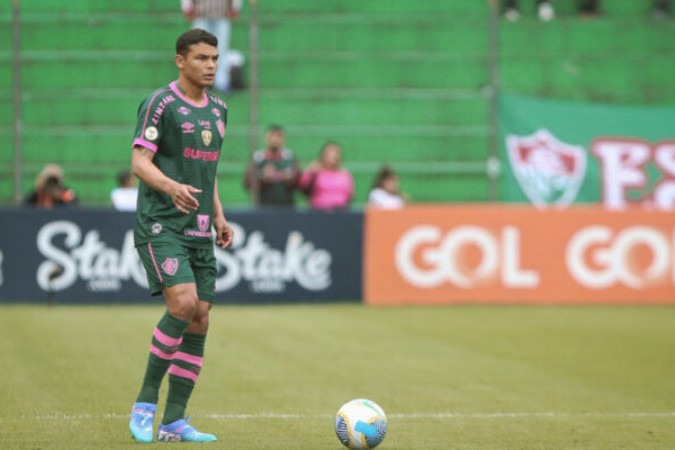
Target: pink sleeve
(139, 142)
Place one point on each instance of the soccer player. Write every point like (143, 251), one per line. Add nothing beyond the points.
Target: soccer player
(175, 153)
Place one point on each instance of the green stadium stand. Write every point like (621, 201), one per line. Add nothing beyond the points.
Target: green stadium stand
(394, 81)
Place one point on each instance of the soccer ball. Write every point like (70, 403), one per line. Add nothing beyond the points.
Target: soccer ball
(361, 423)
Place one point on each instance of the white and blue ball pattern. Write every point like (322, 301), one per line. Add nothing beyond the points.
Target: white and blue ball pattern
(361, 424)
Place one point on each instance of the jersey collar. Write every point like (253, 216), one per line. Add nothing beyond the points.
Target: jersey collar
(176, 90)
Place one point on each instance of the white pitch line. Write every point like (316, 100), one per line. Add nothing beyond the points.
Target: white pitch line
(449, 415)
(422, 416)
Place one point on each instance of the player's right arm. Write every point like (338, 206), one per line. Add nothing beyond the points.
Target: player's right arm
(181, 194)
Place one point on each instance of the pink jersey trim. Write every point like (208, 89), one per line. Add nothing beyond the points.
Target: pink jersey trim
(154, 263)
(183, 373)
(194, 360)
(166, 340)
(161, 354)
(147, 112)
(140, 142)
(174, 87)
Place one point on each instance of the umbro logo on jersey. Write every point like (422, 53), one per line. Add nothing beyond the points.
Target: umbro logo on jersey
(184, 111)
(216, 112)
(188, 128)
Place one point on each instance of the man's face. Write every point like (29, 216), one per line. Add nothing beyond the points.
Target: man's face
(199, 65)
(275, 139)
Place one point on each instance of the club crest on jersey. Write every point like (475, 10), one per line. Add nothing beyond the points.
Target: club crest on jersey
(170, 266)
(207, 136)
(549, 171)
(151, 133)
(203, 222)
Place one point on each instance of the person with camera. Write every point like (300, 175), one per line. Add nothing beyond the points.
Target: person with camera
(50, 191)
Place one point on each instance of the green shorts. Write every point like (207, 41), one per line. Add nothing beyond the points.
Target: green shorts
(170, 263)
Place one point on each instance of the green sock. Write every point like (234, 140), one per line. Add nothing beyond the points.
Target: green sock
(166, 339)
(183, 374)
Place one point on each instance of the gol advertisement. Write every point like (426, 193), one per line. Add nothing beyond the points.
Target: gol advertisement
(518, 254)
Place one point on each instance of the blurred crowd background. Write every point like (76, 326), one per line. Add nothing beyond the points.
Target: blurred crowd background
(413, 86)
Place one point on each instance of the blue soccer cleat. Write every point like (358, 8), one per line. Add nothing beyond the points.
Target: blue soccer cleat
(181, 430)
(142, 418)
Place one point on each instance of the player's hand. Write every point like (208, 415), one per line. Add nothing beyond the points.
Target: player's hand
(224, 232)
(183, 199)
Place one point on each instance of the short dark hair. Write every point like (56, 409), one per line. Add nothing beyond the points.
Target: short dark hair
(275, 127)
(192, 37)
(383, 174)
(123, 177)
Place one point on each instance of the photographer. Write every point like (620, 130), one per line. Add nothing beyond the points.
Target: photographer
(50, 190)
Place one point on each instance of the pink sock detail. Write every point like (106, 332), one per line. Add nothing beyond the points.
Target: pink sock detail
(166, 340)
(162, 354)
(183, 373)
(194, 360)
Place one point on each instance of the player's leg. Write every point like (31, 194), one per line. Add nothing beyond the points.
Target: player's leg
(162, 263)
(183, 375)
(166, 338)
(187, 363)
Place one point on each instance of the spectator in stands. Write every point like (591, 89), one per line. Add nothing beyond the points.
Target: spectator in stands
(589, 8)
(544, 10)
(215, 16)
(273, 171)
(328, 185)
(50, 190)
(124, 196)
(385, 192)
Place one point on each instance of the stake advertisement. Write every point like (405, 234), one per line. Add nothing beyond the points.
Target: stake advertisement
(88, 256)
(518, 254)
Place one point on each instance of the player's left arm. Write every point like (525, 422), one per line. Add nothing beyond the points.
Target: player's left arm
(224, 233)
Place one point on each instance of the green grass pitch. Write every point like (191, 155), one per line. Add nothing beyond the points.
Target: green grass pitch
(274, 376)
